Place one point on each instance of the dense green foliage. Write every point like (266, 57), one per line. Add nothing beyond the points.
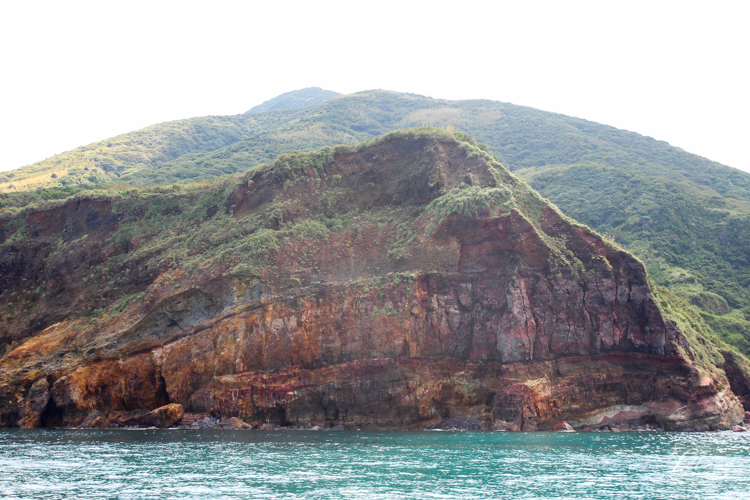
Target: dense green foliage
(687, 217)
(704, 346)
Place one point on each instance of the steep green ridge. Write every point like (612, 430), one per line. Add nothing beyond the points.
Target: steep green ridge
(296, 99)
(687, 217)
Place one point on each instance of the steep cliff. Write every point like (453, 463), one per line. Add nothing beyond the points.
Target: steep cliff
(685, 216)
(393, 284)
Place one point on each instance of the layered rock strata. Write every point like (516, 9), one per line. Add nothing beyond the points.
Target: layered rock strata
(397, 285)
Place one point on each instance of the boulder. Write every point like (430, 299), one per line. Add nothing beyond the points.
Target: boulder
(738, 428)
(268, 427)
(563, 426)
(164, 416)
(96, 420)
(30, 409)
(747, 417)
(339, 427)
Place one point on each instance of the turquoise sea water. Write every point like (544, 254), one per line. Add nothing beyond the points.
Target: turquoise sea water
(166, 464)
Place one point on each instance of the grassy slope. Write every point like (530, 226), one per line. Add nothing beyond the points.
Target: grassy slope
(685, 216)
(106, 161)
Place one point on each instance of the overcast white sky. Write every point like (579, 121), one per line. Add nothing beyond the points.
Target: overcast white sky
(77, 72)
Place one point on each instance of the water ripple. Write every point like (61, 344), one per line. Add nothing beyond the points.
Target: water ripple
(160, 464)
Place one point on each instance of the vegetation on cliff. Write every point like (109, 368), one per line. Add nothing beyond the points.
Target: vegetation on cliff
(391, 283)
(686, 217)
(195, 229)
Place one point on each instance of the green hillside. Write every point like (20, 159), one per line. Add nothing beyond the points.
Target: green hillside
(687, 217)
(106, 161)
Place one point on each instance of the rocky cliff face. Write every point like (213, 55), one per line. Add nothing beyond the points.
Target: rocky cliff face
(395, 285)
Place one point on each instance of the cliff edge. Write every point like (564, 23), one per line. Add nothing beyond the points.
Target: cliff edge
(392, 284)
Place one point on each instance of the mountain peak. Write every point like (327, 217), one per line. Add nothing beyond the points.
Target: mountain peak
(296, 99)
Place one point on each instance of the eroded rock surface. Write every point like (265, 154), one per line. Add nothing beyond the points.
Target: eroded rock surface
(96, 419)
(440, 288)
